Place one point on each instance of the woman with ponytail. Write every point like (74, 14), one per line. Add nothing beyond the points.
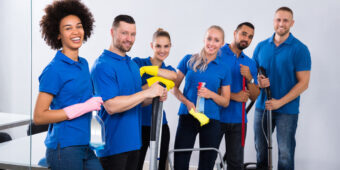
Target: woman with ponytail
(155, 66)
(205, 67)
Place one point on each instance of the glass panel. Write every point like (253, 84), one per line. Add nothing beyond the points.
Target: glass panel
(15, 76)
(41, 56)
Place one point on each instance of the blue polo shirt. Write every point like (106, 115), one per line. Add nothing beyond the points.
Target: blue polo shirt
(233, 113)
(281, 64)
(70, 83)
(114, 75)
(215, 76)
(147, 110)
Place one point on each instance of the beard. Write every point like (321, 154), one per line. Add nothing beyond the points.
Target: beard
(242, 47)
(121, 48)
(281, 34)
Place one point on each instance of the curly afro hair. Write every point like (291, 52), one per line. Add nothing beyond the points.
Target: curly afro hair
(55, 12)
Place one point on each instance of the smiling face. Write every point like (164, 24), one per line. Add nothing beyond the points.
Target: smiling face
(243, 37)
(71, 33)
(161, 48)
(124, 36)
(283, 21)
(213, 41)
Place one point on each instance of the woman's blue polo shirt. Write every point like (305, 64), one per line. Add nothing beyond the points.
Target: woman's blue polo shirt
(70, 83)
(215, 76)
(114, 75)
(147, 110)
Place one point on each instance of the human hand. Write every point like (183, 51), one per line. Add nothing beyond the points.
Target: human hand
(79, 109)
(151, 70)
(241, 96)
(263, 81)
(190, 106)
(204, 92)
(164, 95)
(155, 90)
(94, 103)
(273, 104)
(202, 118)
(168, 83)
(245, 72)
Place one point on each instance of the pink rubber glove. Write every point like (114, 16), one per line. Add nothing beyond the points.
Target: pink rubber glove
(79, 109)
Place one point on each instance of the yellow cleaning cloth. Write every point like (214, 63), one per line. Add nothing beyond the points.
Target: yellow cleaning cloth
(202, 118)
(168, 83)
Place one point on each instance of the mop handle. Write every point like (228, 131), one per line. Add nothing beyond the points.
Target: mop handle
(156, 106)
(262, 71)
(243, 112)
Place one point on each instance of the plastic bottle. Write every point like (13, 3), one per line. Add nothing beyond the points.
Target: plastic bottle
(200, 100)
(97, 141)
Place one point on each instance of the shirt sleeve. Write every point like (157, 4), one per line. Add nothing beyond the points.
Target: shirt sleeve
(140, 64)
(105, 81)
(169, 67)
(138, 61)
(255, 55)
(302, 60)
(50, 81)
(183, 64)
(253, 70)
(227, 78)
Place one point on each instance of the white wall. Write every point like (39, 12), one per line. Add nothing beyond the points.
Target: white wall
(15, 74)
(316, 24)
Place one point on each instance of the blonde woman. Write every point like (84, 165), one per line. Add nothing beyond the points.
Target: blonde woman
(207, 67)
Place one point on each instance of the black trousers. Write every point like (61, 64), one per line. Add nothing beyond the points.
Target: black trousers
(234, 150)
(165, 138)
(187, 130)
(123, 161)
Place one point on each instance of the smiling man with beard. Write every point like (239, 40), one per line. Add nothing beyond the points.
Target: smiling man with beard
(231, 117)
(116, 79)
(287, 62)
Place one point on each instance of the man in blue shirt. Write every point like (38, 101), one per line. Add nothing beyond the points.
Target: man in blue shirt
(116, 79)
(242, 67)
(287, 63)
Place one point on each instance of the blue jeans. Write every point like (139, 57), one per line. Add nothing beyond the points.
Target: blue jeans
(233, 144)
(286, 125)
(72, 158)
(187, 130)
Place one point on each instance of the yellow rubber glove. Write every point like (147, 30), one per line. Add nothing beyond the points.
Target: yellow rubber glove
(151, 70)
(202, 118)
(168, 83)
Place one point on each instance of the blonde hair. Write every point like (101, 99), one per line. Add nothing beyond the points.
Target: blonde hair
(199, 61)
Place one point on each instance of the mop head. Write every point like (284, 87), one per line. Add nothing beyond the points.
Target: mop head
(202, 118)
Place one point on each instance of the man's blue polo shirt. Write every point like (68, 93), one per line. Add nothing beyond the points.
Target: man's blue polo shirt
(233, 113)
(215, 76)
(112, 76)
(281, 64)
(147, 110)
(70, 83)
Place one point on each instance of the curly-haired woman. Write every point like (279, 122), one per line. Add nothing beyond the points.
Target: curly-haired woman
(65, 99)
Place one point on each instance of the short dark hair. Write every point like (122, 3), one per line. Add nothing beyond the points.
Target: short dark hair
(55, 12)
(124, 18)
(284, 8)
(246, 24)
(161, 33)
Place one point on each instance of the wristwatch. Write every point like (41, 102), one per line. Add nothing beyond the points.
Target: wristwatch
(251, 81)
